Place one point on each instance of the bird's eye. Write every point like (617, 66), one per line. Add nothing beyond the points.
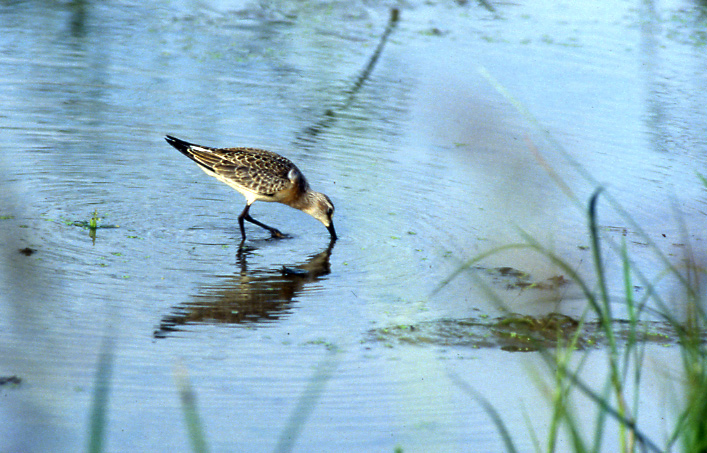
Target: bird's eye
(329, 211)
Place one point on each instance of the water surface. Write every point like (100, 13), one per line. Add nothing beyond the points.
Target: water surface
(427, 162)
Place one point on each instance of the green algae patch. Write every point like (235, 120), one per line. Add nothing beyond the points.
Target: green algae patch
(521, 333)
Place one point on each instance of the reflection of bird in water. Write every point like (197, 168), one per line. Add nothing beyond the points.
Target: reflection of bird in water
(252, 297)
(260, 175)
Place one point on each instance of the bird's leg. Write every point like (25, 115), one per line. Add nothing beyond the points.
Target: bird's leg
(246, 216)
(241, 218)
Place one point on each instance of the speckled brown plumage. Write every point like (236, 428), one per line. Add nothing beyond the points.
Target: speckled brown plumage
(260, 175)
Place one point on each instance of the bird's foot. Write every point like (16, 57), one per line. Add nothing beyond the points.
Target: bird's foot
(294, 272)
(276, 234)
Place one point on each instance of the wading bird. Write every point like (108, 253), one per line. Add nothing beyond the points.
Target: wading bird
(260, 175)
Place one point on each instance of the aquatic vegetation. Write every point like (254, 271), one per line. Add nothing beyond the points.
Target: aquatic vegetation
(522, 333)
(558, 338)
(92, 224)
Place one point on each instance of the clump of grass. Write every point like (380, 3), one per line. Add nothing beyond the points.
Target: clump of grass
(625, 363)
(691, 429)
(624, 358)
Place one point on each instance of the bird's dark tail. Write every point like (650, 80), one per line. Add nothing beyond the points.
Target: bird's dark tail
(199, 154)
(180, 145)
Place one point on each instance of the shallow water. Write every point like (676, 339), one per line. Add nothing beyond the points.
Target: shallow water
(428, 164)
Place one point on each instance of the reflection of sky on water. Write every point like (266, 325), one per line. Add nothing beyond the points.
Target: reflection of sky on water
(428, 165)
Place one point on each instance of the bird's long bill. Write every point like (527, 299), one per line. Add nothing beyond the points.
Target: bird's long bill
(332, 231)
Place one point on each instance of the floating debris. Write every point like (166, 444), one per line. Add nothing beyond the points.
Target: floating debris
(10, 380)
(511, 278)
(27, 251)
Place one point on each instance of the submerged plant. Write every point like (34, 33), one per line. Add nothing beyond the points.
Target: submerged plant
(92, 224)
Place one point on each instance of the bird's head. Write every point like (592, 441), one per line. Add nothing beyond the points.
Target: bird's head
(321, 208)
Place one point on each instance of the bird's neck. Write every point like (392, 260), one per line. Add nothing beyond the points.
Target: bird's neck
(305, 200)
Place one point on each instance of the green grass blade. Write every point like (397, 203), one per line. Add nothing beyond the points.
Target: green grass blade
(307, 401)
(531, 432)
(605, 308)
(604, 405)
(488, 408)
(702, 178)
(190, 410)
(99, 404)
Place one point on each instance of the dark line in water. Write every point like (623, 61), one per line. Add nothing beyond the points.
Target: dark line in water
(489, 7)
(330, 114)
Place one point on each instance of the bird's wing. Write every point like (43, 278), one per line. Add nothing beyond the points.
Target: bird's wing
(257, 170)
